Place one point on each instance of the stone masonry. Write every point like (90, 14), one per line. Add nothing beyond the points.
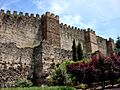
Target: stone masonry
(30, 46)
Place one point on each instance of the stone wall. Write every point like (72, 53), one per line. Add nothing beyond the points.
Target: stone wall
(90, 41)
(52, 56)
(68, 34)
(20, 35)
(102, 46)
(51, 29)
(23, 30)
(31, 46)
(14, 63)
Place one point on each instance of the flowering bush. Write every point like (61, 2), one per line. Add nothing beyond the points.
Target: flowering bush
(98, 69)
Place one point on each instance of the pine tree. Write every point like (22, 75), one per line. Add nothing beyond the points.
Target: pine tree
(118, 44)
(79, 52)
(74, 56)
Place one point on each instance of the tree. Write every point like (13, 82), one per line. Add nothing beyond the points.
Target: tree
(79, 52)
(74, 51)
(118, 44)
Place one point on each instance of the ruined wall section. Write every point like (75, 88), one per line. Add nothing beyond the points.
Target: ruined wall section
(52, 56)
(102, 46)
(24, 30)
(19, 37)
(15, 63)
(68, 34)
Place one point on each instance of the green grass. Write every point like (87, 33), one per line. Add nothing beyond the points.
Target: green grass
(41, 88)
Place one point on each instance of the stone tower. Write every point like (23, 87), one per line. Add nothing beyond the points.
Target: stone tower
(110, 46)
(90, 41)
(51, 29)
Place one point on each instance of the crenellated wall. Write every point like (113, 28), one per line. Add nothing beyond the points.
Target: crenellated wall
(24, 30)
(51, 29)
(102, 44)
(68, 34)
(31, 45)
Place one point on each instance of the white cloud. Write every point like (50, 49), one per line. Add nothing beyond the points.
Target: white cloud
(59, 6)
(55, 6)
(83, 13)
(70, 19)
(5, 4)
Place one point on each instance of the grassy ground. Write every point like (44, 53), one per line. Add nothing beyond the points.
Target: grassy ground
(41, 88)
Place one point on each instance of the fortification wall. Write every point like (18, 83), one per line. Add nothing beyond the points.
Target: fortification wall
(90, 41)
(52, 56)
(68, 34)
(110, 46)
(15, 63)
(23, 30)
(19, 36)
(32, 46)
(51, 31)
(102, 46)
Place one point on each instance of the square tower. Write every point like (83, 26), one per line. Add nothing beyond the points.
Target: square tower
(51, 29)
(90, 41)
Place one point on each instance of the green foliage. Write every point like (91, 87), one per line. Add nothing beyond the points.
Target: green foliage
(118, 80)
(118, 44)
(74, 50)
(59, 75)
(79, 52)
(42, 88)
(82, 86)
(22, 82)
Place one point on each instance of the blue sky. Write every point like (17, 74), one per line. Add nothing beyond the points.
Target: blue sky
(103, 16)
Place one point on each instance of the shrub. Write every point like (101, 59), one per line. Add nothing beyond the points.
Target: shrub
(82, 86)
(22, 82)
(59, 75)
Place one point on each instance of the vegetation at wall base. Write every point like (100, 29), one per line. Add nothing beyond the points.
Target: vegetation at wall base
(59, 75)
(118, 45)
(42, 88)
(99, 69)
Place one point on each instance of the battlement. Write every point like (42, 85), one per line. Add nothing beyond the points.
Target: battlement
(51, 15)
(101, 38)
(110, 40)
(69, 27)
(90, 30)
(8, 12)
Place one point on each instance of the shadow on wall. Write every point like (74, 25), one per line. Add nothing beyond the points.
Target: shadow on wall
(37, 65)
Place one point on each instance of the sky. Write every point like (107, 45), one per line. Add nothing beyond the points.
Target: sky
(103, 16)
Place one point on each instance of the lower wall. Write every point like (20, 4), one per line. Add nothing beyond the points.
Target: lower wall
(33, 63)
(52, 56)
(14, 63)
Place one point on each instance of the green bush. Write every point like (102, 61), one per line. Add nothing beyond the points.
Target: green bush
(118, 80)
(22, 82)
(82, 86)
(59, 75)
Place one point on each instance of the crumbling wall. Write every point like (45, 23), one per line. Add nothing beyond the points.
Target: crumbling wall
(19, 37)
(52, 56)
(14, 63)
